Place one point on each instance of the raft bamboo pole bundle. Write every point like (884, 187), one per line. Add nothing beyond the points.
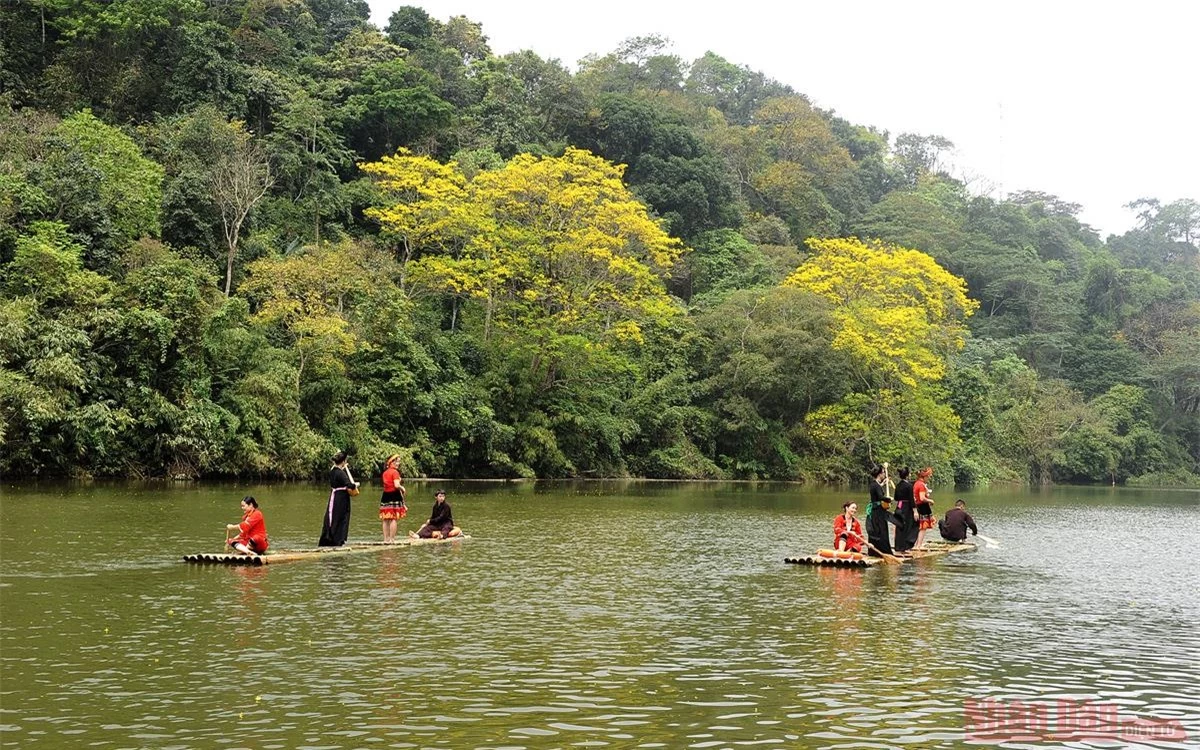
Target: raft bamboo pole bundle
(291, 555)
(931, 549)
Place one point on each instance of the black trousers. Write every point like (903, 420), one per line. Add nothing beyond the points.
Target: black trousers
(942, 530)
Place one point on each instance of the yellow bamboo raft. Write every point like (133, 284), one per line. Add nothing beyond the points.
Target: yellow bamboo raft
(292, 555)
(931, 549)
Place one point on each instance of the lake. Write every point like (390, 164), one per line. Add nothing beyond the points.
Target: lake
(593, 615)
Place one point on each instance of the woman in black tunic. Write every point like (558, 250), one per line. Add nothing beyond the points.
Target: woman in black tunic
(878, 514)
(906, 518)
(336, 526)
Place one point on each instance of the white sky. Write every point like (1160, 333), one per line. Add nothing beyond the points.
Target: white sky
(1096, 102)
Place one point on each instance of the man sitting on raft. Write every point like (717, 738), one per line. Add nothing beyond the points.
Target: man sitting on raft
(252, 539)
(441, 521)
(847, 531)
(954, 526)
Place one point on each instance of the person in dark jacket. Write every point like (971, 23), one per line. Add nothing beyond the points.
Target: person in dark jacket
(336, 525)
(906, 514)
(879, 513)
(441, 521)
(954, 526)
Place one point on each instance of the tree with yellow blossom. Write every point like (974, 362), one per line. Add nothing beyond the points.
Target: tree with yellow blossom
(554, 242)
(899, 314)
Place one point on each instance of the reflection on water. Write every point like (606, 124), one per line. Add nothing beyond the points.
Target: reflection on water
(654, 616)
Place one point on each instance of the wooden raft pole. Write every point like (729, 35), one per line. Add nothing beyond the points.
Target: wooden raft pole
(292, 555)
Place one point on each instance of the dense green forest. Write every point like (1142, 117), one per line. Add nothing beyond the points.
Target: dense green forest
(236, 235)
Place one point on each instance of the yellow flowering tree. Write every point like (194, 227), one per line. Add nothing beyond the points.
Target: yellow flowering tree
(899, 314)
(554, 242)
(427, 206)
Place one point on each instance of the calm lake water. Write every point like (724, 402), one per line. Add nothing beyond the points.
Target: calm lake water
(614, 615)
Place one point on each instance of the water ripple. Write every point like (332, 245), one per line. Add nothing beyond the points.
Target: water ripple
(656, 617)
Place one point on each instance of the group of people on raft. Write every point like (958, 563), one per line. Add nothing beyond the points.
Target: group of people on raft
(335, 527)
(912, 517)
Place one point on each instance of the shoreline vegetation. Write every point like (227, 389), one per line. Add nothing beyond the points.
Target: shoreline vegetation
(1140, 483)
(238, 237)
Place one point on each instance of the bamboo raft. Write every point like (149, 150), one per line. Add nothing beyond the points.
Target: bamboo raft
(931, 549)
(292, 555)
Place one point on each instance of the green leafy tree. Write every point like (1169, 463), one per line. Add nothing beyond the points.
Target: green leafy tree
(393, 104)
(100, 185)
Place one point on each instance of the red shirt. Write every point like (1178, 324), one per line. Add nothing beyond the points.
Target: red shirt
(391, 480)
(254, 529)
(920, 492)
(854, 544)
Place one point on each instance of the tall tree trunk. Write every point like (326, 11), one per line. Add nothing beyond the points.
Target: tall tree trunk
(229, 268)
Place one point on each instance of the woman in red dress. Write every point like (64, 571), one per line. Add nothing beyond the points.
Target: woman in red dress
(924, 504)
(391, 504)
(252, 536)
(847, 531)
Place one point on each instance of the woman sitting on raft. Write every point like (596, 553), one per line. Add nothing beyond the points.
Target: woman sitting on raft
(441, 521)
(252, 539)
(847, 531)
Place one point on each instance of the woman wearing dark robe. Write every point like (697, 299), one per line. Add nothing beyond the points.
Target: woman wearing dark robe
(336, 526)
(906, 514)
(441, 521)
(879, 513)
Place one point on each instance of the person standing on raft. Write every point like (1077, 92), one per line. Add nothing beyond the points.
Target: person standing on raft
(847, 531)
(336, 525)
(906, 514)
(924, 504)
(441, 521)
(252, 531)
(954, 526)
(391, 503)
(879, 514)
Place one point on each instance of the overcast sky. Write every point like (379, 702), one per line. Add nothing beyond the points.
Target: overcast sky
(1098, 103)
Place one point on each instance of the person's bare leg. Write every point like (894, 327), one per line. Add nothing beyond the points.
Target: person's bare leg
(454, 532)
(245, 550)
(920, 539)
(841, 545)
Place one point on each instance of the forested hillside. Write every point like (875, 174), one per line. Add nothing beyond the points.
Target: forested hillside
(237, 235)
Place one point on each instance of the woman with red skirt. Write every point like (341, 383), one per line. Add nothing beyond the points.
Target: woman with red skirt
(391, 503)
(924, 504)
